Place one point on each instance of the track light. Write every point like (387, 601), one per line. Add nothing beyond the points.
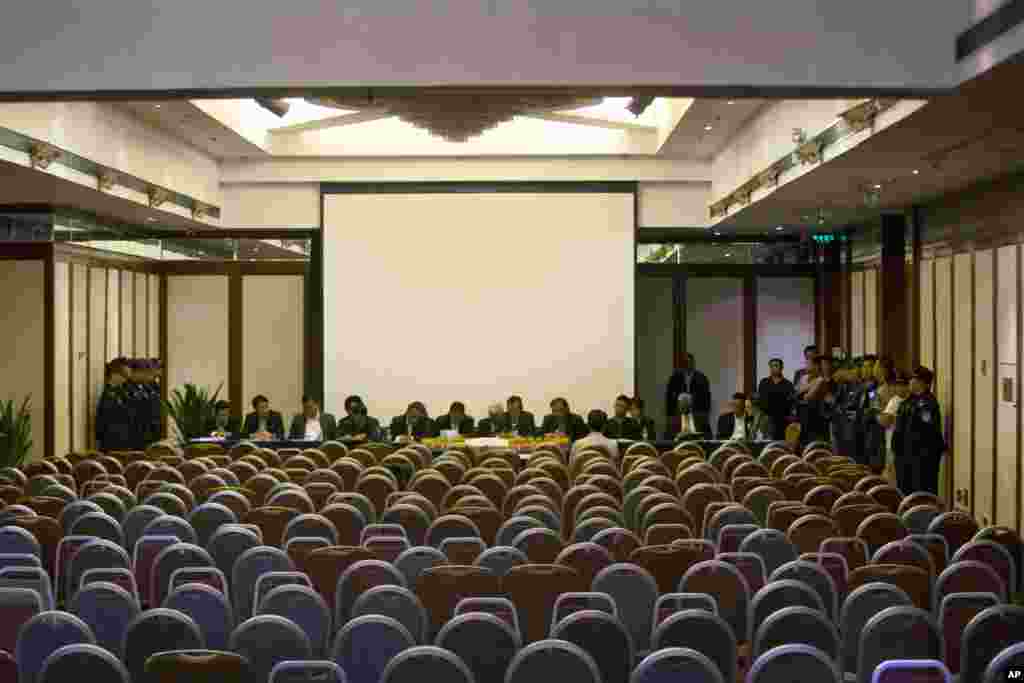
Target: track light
(276, 107)
(638, 105)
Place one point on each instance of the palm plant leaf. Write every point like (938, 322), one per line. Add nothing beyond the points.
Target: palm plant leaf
(15, 432)
(191, 407)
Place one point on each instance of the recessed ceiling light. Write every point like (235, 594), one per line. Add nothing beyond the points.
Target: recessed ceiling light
(717, 234)
(878, 186)
(727, 254)
(151, 219)
(731, 102)
(916, 171)
(157, 106)
(778, 228)
(708, 127)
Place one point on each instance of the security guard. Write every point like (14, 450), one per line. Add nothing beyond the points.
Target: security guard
(917, 441)
(116, 428)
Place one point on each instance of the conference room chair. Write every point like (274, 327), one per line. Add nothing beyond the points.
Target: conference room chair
(365, 645)
(701, 631)
(603, 637)
(795, 661)
(897, 633)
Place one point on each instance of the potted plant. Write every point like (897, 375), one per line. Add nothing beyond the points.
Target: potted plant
(15, 432)
(191, 408)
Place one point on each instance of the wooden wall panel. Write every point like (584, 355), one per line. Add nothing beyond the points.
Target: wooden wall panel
(857, 313)
(97, 343)
(22, 346)
(944, 350)
(153, 321)
(871, 311)
(61, 389)
(984, 385)
(113, 305)
(80, 361)
(963, 374)
(197, 334)
(140, 313)
(272, 338)
(1007, 493)
(127, 314)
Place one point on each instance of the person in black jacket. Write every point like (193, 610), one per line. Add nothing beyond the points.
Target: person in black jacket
(564, 421)
(263, 423)
(312, 424)
(775, 398)
(739, 425)
(636, 411)
(414, 424)
(495, 423)
(116, 424)
(687, 380)
(917, 442)
(518, 420)
(620, 425)
(357, 425)
(455, 419)
(222, 420)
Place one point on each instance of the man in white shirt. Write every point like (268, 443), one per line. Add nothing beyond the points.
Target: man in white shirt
(887, 418)
(312, 424)
(737, 425)
(596, 421)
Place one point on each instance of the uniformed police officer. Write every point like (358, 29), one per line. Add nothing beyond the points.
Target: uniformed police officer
(917, 441)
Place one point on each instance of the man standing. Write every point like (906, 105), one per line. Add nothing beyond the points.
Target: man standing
(116, 427)
(456, 420)
(357, 425)
(687, 381)
(621, 425)
(263, 424)
(563, 421)
(917, 441)
(810, 353)
(312, 424)
(519, 421)
(775, 397)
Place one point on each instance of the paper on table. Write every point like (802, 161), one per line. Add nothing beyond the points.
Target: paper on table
(487, 442)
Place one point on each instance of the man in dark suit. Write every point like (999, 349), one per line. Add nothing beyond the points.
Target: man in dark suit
(518, 420)
(739, 424)
(495, 423)
(621, 425)
(455, 419)
(263, 424)
(413, 425)
(312, 424)
(636, 411)
(564, 421)
(357, 425)
(222, 421)
(687, 380)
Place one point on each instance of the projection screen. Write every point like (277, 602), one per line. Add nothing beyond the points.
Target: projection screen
(439, 297)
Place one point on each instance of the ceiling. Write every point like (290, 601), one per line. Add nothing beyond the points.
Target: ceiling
(689, 139)
(951, 143)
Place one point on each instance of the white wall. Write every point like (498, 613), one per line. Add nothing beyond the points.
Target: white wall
(714, 335)
(674, 205)
(197, 331)
(271, 205)
(146, 45)
(22, 345)
(272, 348)
(785, 322)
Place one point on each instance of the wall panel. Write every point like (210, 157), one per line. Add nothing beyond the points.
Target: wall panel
(785, 322)
(22, 348)
(963, 373)
(1007, 426)
(871, 311)
(153, 321)
(97, 342)
(140, 313)
(127, 314)
(655, 343)
(716, 304)
(197, 334)
(272, 352)
(80, 362)
(60, 395)
(927, 317)
(984, 385)
(944, 350)
(113, 305)
(857, 313)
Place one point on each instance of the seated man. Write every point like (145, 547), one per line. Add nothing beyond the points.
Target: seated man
(621, 425)
(495, 423)
(263, 424)
(563, 421)
(456, 419)
(356, 425)
(413, 425)
(646, 424)
(312, 424)
(739, 424)
(519, 421)
(222, 422)
(596, 422)
(691, 426)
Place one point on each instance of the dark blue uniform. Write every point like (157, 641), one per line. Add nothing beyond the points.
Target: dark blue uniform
(116, 421)
(918, 444)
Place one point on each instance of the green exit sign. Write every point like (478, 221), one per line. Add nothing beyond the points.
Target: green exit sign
(828, 238)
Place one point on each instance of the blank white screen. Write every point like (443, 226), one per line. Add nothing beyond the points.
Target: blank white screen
(473, 297)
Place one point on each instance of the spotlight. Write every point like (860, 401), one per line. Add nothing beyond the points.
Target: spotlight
(638, 105)
(916, 171)
(708, 127)
(778, 229)
(276, 107)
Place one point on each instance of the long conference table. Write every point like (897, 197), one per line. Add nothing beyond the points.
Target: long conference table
(709, 445)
